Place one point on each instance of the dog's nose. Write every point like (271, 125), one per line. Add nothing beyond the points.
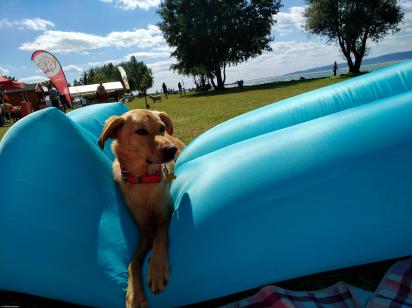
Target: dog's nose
(169, 152)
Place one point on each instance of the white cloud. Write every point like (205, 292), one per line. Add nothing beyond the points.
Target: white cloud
(137, 4)
(33, 79)
(160, 52)
(4, 71)
(4, 23)
(100, 63)
(406, 6)
(160, 66)
(398, 42)
(69, 42)
(72, 69)
(37, 24)
(286, 57)
(34, 24)
(148, 54)
(106, 1)
(288, 21)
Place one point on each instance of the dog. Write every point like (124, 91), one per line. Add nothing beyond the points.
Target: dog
(145, 152)
(156, 98)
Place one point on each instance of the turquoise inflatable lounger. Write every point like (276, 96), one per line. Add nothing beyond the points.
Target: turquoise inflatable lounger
(313, 183)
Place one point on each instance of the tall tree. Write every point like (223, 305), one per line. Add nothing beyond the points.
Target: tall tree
(351, 23)
(139, 75)
(212, 34)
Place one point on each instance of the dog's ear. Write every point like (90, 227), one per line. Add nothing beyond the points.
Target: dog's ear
(167, 121)
(110, 129)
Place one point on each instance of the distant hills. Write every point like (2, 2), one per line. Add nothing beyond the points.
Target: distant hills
(397, 56)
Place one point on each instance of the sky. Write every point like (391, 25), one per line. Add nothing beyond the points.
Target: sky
(89, 33)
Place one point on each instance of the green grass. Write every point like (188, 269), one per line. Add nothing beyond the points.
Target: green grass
(3, 130)
(194, 113)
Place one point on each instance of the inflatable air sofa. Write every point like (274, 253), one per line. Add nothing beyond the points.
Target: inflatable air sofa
(317, 182)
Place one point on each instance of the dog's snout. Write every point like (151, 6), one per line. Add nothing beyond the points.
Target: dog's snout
(170, 152)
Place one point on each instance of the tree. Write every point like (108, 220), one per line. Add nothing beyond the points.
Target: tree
(139, 75)
(47, 83)
(350, 23)
(212, 34)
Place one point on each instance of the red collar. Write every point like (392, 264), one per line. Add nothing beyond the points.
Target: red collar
(132, 179)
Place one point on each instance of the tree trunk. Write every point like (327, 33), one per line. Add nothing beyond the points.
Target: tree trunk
(210, 76)
(350, 65)
(360, 53)
(145, 98)
(219, 80)
(357, 65)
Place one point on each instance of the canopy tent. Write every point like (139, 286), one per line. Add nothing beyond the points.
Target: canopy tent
(8, 84)
(91, 88)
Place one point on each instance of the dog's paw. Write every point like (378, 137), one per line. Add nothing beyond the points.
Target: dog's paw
(158, 275)
(133, 301)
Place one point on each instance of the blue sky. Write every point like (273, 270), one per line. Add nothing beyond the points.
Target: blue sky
(88, 33)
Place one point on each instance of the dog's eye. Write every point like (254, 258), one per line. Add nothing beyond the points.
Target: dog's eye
(162, 129)
(142, 132)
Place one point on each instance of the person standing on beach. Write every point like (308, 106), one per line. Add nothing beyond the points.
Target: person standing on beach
(335, 68)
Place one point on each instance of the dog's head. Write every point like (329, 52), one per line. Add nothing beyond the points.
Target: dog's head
(141, 135)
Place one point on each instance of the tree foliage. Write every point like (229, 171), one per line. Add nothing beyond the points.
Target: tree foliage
(140, 77)
(209, 35)
(350, 23)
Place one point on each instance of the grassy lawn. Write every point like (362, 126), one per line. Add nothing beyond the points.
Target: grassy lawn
(3, 131)
(194, 113)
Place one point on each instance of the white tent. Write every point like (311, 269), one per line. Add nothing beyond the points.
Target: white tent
(91, 88)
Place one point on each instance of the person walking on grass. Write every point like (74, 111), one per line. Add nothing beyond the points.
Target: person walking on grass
(165, 92)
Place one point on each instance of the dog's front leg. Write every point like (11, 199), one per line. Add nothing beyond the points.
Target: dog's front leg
(158, 272)
(135, 292)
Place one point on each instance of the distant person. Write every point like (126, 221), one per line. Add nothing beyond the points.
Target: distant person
(179, 85)
(165, 92)
(335, 68)
(40, 101)
(101, 93)
(64, 102)
(54, 98)
(240, 84)
(83, 101)
(2, 119)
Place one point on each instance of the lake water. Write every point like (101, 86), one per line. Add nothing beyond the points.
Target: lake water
(318, 74)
